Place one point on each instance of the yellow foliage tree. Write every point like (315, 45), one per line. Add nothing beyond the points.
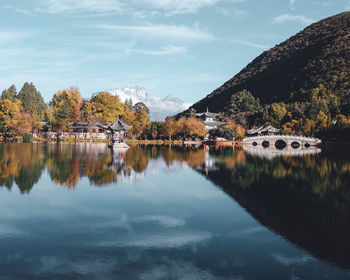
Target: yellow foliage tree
(239, 132)
(104, 106)
(169, 127)
(69, 99)
(308, 127)
(289, 127)
(194, 127)
(343, 121)
(322, 120)
(9, 110)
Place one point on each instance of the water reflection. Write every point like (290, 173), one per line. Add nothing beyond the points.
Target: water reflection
(270, 153)
(304, 199)
(23, 164)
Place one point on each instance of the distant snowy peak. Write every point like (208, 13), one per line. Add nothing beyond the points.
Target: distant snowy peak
(170, 98)
(159, 108)
(131, 91)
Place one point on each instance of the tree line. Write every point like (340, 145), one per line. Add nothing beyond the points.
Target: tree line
(24, 111)
(320, 113)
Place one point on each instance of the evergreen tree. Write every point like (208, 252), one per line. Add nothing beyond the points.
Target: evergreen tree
(243, 102)
(32, 100)
(9, 93)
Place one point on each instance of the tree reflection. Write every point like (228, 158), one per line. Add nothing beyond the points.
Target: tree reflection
(22, 164)
(194, 157)
(305, 199)
(137, 158)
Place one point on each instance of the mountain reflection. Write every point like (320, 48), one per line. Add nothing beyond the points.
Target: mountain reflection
(305, 199)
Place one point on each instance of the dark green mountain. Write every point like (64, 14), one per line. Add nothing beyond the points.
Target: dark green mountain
(310, 68)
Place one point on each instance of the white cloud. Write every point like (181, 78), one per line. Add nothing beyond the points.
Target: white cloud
(18, 10)
(179, 6)
(292, 18)
(169, 50)
(7, 36)
(231, 11)
(287, 261)
(151, 31)
(135, 7)
(81, 6)
(165, 221)
(178, 269)
(249, 44)
(159, 107)
(170, 240)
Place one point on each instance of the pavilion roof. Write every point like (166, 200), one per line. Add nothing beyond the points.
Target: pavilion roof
(262, 129)
(117, 125)
(214, 123)
(207, 114)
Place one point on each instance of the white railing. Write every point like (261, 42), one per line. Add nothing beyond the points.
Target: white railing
(86, 135)
(283, 137)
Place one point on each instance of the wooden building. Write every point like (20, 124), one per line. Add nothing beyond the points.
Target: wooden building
(210, 120)
(263, 130)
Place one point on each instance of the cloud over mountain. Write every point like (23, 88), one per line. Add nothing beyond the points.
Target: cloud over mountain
(159, 108)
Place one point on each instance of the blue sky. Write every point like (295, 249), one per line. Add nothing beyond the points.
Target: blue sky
(185, 48)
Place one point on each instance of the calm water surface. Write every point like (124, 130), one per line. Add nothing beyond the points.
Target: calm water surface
(85, 212)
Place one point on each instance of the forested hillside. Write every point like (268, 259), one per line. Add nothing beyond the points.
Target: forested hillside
(302, 84)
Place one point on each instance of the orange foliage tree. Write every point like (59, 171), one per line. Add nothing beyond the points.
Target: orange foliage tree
(169, 127)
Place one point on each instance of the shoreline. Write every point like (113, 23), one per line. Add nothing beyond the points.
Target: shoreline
(327, 145)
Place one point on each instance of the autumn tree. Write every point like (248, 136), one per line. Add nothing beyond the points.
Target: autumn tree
(9, 110)
(240, 132)
(32, 101)
(274, 113)
(138, 118)
(322, 120)
(104, 106)
(67, 104)
(65, 107)
(169, 127)
(22, 123)
(194, 127)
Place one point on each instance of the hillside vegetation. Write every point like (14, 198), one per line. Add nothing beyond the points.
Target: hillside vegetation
(301, 85)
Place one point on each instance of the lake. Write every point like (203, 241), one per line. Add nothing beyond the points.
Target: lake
(84, 211)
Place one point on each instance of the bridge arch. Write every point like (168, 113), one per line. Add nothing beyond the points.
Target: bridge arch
(278, 142)
(295, 145)
(265, 144)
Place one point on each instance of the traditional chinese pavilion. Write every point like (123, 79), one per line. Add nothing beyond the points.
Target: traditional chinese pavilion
(209, 120)
(117, 131)
(263, 130)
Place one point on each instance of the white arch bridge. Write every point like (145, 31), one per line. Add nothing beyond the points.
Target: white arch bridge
(279, 142)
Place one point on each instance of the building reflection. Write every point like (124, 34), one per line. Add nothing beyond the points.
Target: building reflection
(304, 199)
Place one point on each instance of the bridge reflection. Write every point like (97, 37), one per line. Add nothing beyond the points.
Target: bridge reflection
(270, 153)
(304, 199)
(279, 142)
